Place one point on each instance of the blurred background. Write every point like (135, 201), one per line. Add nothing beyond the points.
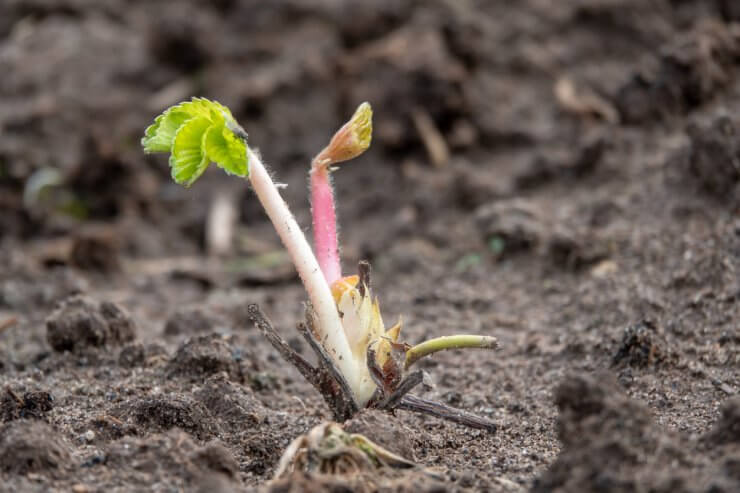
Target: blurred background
(474, 101)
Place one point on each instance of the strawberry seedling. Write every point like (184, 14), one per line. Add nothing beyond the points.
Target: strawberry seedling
(361, 362)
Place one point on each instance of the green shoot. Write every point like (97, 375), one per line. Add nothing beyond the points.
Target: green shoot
(415, 353)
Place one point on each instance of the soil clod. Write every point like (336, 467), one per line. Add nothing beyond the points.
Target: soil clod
(26, 405)
(217, 458)
(31, 446)
(203, 356)
(604, 434)
(164, 413)
(511, 226)
(690, 71)
(233, 404)
(139, 354)
(727, 428)
(714, 157)
(190, 321)
(641, 346)
(81, 322)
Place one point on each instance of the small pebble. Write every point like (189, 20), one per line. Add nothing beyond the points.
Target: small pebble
(89, 436)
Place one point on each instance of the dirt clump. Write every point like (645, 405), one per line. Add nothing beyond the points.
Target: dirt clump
(604, 435)
(161, 413)
(216, 457)
(713, 157)
(574, 165)
(81, 322)
(139, 354)
(173, 459)
(189, 321)
(727, 429)
(32, 446)
(96, 251)
(32, 404)
(206, 355)
(520, 227)
(233, 404)
(690, 70)
(511, 226)
(641, 346)
(611, 443)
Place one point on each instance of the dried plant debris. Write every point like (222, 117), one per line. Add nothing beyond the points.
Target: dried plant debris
(328, 449)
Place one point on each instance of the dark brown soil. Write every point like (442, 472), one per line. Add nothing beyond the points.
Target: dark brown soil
(564, 176)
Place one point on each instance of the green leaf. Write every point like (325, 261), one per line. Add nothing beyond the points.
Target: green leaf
(195, 133)
(227, 150)
(160, 136)
(189, 158)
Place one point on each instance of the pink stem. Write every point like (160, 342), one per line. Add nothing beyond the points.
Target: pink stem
(325, 223)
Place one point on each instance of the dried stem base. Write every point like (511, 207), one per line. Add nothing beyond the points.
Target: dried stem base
(326, 377)
(331, 384)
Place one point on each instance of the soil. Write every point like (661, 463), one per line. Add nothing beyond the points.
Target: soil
(564, 176)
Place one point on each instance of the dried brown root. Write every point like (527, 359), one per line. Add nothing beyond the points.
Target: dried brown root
(328, 449)
(326, 377)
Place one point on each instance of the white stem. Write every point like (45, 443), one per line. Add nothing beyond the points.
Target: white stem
(332, 337)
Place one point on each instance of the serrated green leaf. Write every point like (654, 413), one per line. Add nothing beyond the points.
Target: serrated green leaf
(189, 158)
(197, 132)
(226, 150)
(160, 136)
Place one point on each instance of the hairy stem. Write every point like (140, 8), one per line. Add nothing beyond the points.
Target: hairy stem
(448, 342)
(324, 222)
(331, 332)
(351, 140)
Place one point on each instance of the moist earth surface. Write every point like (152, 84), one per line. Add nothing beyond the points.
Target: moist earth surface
(563, 176)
